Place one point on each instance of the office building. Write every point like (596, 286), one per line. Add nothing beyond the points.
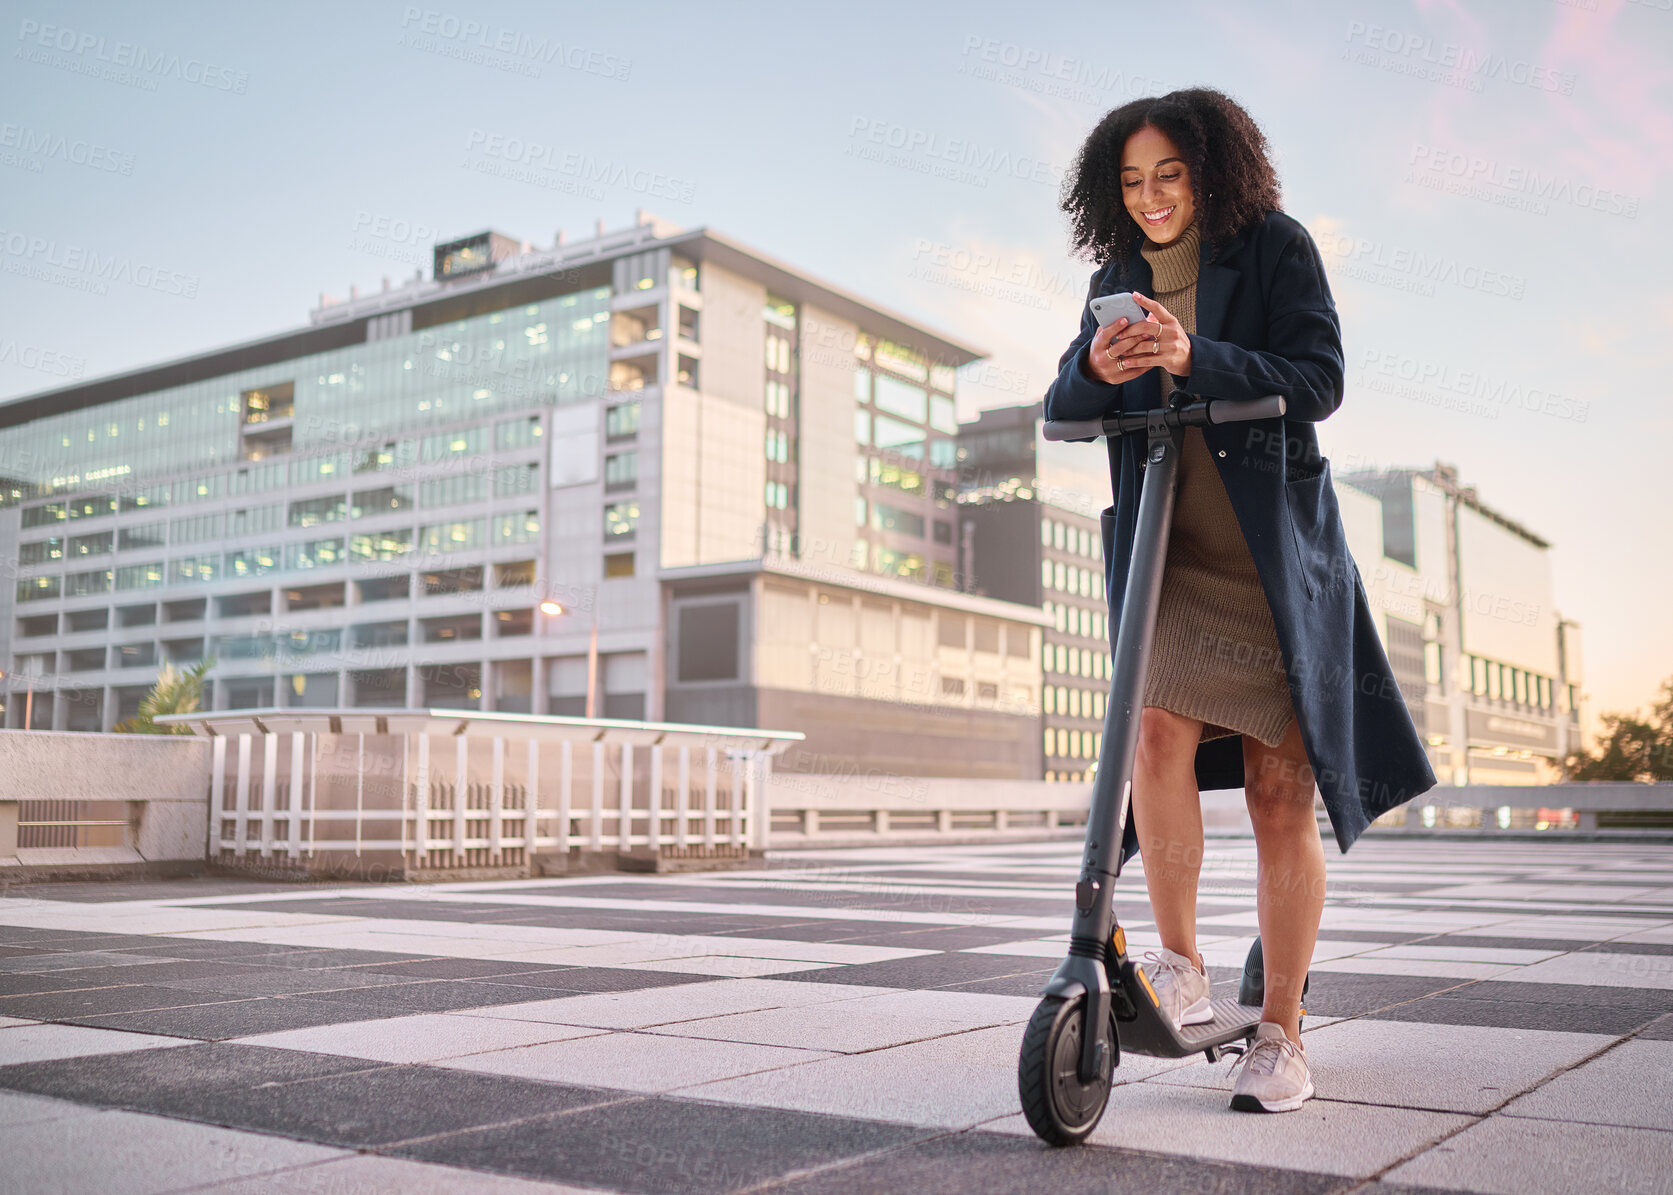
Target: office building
(1464, 597)
(1461, 596)
(1030, 535)
(652, 472)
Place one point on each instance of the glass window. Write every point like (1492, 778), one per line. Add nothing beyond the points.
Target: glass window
(310, 512)
(94, 506)
(900, 437)
(622, 419)
(86, 584)
(316, 553)
(899, 398)
(32, 589)
(941, 377)
(943, 453)
(517, 433)
(859, 512)
(44, 515)
(943, 415)
(517, 528)
(451, 537)
(194, 568)
(140, 576)
(193, 529)
(621, 469)
(447, 445)
(891, 518)
(41, 550)
(382, 501)
(862, 427)
(862, 384)
(620, 518)
(100, 543)
(252, 562)
(453, 491)
(381, 545)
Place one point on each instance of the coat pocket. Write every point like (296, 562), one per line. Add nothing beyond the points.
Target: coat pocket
(1316, 534)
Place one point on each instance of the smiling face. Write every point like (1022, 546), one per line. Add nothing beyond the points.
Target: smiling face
(1156, 185)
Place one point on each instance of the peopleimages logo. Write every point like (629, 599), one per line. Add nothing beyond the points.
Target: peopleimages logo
(1477, 177)
(36, 256)
(127, 55)
(1449, 62)
(74, 151)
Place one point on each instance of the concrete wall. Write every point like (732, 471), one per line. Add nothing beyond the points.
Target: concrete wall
(165, 779)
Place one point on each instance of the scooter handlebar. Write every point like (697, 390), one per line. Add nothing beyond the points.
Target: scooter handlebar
(1214, 410)
(1270, 407)
(1063, 429)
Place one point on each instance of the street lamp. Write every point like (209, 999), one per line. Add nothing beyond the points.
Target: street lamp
(555, 609)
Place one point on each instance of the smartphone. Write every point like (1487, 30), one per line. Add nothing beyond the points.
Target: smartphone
(1106, 309)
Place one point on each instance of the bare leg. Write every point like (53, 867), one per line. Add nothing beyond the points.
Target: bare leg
(1278, 785)
(1167, 816)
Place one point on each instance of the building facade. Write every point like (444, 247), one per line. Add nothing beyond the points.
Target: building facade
(1490, 669)
(1461, 596)
(1030, 535)
(539, 477)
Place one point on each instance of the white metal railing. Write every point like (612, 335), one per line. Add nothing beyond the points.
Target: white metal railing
(446, 789)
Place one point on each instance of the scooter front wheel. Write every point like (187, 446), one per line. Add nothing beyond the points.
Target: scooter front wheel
(1060, 1107)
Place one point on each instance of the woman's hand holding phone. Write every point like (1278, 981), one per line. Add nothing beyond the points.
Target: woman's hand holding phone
(1120, 351)
(1123, 350)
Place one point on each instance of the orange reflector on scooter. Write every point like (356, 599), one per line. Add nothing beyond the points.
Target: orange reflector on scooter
(1119, 938)
(1145, 979)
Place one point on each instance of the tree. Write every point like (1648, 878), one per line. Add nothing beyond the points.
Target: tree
(1630, 747)
(175, 692)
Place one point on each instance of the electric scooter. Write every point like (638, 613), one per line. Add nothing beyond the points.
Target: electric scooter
(1099, 1002)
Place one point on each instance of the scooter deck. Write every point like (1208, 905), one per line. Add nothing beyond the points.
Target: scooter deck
(1149, 1033)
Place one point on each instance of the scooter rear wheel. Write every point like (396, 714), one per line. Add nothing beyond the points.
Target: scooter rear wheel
(1060, 1108)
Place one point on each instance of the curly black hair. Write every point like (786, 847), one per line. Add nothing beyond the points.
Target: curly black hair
(1232, 179)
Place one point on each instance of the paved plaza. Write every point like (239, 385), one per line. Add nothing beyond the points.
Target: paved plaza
(1483, 1017)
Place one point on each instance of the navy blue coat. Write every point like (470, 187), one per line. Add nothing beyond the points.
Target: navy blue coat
(1266, 324)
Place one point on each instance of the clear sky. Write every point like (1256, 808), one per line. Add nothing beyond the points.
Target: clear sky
(1489, 180)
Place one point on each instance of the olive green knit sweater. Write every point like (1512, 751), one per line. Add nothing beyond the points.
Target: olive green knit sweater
(1215, 656)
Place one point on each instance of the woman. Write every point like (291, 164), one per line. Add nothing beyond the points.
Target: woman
(1266, 669)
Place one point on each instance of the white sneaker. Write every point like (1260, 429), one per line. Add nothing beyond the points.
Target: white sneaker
(1275, 1075)
(1181, 989)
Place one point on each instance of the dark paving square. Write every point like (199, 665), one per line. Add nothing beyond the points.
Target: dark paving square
(184, 1081)
(60, 1006)
(1658, 949)
(242, 1018)
(1025, 983)
(285, 981)
(925, 971)
(961, 1163)
(69, 960)
(1653, 999)
(369, 1108)
(957, 937)
(665, 1145)
(454, 968)
(209, 948)
(622, 979)
(1660, 1029)
(1471, 942)
(1507, 1014)
(444, 995)
(45, 981)
(163, 972)
(1334, 994)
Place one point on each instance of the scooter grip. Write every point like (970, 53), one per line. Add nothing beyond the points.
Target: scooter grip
(1081, 429)
(1243, 410)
